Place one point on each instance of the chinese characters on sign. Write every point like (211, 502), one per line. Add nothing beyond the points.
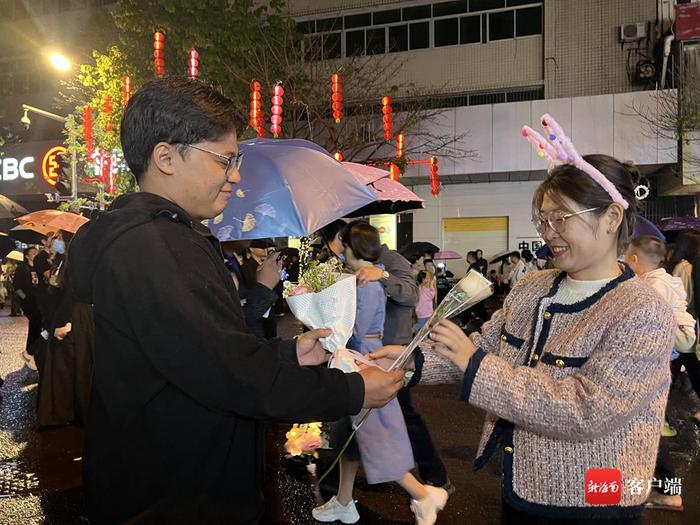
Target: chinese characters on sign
(605, 486)
(532, 244)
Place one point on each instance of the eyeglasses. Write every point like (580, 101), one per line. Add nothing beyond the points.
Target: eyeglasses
(557, 223)
(233, 160)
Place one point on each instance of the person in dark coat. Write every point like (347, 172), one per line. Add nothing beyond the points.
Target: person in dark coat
(256, 255)
(25, 284)
(180, 385)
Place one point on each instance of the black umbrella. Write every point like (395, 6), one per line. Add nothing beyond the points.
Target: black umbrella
(419, 248)
(9, 209)
(6, 245)
(26, 235)
(500, 257)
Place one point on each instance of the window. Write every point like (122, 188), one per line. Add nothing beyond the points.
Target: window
(329, 24)
(514, 3)
(386, 17)
(446, 32)
(450, 8)
(398, 39)
(331, 45)
(470, 29)
(362, 20)
(501, 25)
(376, 41)
(487, 98)
(355, 43)
(528, 21)
(420, 35)
(485, 5)
(312, 48)
(309, 26)
(416, 13)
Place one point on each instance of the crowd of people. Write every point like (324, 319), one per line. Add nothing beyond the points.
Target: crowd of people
(163, 341)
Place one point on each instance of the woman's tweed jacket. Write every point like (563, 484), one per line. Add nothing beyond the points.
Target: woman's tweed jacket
(568, 388)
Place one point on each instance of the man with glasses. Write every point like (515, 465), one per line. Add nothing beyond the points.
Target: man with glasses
(180, 384)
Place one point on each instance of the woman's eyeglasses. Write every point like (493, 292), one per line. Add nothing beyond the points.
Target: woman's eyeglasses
(556, 222)
(233, 160)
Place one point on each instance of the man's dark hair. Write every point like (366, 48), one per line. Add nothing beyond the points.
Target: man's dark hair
(363, 239)
(329, 231)
(176, 110)
(515, 254)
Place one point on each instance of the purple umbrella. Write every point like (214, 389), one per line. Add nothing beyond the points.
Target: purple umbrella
(646, 227)
(447, 255)
(680, 223)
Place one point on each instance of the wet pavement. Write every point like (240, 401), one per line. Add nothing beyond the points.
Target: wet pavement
(40, 478)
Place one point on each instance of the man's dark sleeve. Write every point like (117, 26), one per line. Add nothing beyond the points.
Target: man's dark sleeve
(259, 300)
(184, 317)
(401, 287)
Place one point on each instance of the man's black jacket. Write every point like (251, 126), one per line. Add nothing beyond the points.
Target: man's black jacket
(180, 384)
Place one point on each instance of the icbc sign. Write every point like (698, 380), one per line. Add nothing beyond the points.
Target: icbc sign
(11, 168)
(50, 166)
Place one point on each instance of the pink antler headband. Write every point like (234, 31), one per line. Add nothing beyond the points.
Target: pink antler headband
(559, 150)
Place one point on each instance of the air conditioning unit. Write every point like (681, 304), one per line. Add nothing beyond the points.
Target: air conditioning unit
(633, 32)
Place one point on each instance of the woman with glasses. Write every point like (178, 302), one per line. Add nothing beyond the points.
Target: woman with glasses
(573, 371)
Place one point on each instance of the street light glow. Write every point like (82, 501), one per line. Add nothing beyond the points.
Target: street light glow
(60, 62)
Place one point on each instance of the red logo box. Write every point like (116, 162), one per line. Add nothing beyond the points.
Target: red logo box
(603, 486)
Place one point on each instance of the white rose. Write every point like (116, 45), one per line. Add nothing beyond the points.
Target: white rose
(475, 285)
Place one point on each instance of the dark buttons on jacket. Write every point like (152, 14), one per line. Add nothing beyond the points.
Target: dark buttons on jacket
(559, 363)
(508, 450)
(547, 316)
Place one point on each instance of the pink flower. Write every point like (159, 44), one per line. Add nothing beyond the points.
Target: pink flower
(300, 290)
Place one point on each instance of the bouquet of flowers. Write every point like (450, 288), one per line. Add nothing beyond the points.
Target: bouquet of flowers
(326, 298)
(303, 441)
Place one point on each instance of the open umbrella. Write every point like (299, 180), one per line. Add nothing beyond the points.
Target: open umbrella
(419, 248)
(45, 221)
(6, 245)
(680, 223)
(9, 209)
(392, 196)
(15, 255)
(27, 235)
(288, 188)
(500, 256)
(447, 255)
(645, 227)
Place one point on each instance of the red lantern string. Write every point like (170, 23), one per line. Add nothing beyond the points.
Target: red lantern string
(434, 181)
(126, 90)
(338, 156)
(87, 131)
(106, 171)
(107, 110)
(337, 96)
(159, 53)
(388, 118)
(276, 117)
(257, 118)
(394, 171)
(399, 145)
(193, 64)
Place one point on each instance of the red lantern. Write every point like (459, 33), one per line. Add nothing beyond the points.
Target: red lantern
(337, 97)
(338, 156)
(193, 64)
(399, 145)
(394, 171)
(257, 118)
(388, 118)
(107, 110)
(126, 90)
(276, 117)
(106, 171)
(159, 53)
(87, 131)
(434, 181)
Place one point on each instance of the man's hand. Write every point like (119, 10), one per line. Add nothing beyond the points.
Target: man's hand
(268, 273)
(380, 386)
(309, 350)
(386, 356)
(368, 273)
(62, 332)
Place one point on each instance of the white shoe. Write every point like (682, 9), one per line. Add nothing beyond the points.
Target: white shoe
(426, 509)
(332, 510)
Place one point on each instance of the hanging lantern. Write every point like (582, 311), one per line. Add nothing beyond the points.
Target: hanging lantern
(276, 117)
(87, 131)
(434, 181)
(338, 156)
(159, 53)
(257, 119)
(399, 145)
(388, 118)
(107, 176)
(193, 64)
(394, 171)
(337, 96)
(126, 90)
(107, 110)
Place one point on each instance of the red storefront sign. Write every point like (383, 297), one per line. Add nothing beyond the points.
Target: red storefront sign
(688, 22)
